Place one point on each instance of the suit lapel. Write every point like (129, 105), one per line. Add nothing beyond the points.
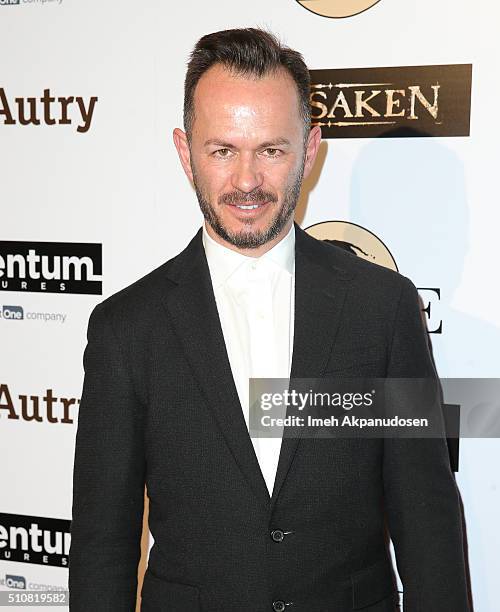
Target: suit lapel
(320, 290)
(193, 312)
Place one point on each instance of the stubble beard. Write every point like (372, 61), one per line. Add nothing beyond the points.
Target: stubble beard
(249, 238)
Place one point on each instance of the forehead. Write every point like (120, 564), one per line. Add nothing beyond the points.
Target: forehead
(234, 102)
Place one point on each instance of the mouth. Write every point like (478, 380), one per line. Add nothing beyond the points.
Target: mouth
(248, 209)
(247, 206)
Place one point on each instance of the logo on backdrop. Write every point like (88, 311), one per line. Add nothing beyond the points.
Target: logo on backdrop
(365, 244)
(34, 539)
(392, 102)
(42, 2)
(49, 110)
(355, 239)
(37, 408)
(337, 8)
(12, 313)
(16, 313)
(15, 581)
(51, 267)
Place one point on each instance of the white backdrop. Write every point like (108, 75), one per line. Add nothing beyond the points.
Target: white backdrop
(433, 201)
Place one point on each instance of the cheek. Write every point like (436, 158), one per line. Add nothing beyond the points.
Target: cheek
(281, 177)
(213, 179)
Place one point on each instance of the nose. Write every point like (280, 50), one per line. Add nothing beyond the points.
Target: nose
(246, 175)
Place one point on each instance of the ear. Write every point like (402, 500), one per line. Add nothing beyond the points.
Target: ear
(312, 148)
(182, 146)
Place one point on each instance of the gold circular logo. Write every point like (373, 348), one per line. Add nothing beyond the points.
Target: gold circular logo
(356, 239)
(337, 8)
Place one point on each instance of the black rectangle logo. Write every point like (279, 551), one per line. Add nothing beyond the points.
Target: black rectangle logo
(392, 102)
(51, 267)
(35, 539)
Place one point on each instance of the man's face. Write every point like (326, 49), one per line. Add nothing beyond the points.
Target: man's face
(247, 154)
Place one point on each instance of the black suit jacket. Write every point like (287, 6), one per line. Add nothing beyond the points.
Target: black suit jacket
(159, 406)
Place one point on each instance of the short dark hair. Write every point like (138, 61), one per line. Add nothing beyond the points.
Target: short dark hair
(245, 51)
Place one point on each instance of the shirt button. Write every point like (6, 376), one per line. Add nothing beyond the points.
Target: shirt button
(279, 605)
(277, 535)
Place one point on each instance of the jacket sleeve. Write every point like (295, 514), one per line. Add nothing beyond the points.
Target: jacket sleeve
(421, 497)
(108, 479)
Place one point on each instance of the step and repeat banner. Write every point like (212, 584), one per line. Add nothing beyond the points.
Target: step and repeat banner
(92, 197)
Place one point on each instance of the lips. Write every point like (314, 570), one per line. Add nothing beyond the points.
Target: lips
(248, 208)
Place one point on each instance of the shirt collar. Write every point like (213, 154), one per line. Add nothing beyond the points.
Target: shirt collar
(223, 261)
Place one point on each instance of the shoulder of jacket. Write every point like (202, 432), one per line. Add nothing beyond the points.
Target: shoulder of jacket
(370, 274)
(140, 294)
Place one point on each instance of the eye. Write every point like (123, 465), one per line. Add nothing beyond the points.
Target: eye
(222, 152)
(271, 152)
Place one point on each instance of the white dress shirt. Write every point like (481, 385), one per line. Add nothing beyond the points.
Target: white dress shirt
(255, 301)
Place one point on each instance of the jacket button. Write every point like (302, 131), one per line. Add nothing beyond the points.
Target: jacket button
(277, 535)
(279, 606)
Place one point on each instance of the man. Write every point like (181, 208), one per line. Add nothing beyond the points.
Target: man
(239, 523)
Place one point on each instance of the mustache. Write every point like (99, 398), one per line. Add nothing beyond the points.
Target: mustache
(239, 197)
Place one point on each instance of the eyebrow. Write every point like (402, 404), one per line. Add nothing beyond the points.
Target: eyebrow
(269, 144)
